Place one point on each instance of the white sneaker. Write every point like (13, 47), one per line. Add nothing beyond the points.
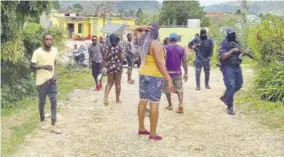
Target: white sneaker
(45, 125)
(55, 129)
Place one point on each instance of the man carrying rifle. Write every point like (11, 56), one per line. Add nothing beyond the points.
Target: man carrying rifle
(230, 58)
(203, 47)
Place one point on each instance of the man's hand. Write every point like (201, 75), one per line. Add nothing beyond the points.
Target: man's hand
(185, 77)
(47, 67)
(170, 85)
(193, 47)
(236, 50)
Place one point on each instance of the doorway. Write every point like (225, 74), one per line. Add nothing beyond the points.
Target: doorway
(70, 29)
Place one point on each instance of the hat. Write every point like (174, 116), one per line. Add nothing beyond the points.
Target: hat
(173, 36)
(230, 30)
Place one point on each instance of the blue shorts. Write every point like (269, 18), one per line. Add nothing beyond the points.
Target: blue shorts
(150, 88)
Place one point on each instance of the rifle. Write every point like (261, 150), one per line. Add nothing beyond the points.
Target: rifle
(243, 51)
(197, 50)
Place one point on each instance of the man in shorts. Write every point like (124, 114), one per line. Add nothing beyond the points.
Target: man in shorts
(176, 56)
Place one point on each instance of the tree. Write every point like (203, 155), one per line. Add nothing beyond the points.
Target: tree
(78, 6)
(131, 13)
(55, 5)
(14, 15)
(238, 12)
(181, 11)
(139, 13)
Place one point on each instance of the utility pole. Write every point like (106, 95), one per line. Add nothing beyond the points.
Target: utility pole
(244, 22)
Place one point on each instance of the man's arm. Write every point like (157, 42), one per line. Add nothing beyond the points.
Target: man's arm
(225, 55)
(185, 67)
(90, 56)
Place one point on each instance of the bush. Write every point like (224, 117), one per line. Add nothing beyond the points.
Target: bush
(266, 40)
(269, 82)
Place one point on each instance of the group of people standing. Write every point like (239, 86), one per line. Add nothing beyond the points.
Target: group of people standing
(160, 70)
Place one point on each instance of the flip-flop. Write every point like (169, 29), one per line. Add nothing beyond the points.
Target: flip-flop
(130, 82)
(169, 108)
(180, 109)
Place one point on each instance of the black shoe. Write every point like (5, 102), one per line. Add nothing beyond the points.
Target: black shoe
(208, 87)
(197, 88)
(230, 110)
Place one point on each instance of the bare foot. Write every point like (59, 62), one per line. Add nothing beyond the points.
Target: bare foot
(169, 108)
(130, 81)
(118, 102)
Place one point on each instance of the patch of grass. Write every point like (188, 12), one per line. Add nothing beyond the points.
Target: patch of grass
(13, 135)
(267, 113)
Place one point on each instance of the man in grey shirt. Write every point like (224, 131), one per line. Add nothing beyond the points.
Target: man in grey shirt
(96, 57)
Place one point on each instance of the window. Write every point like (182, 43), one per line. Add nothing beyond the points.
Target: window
(80, 28)
(67, 14)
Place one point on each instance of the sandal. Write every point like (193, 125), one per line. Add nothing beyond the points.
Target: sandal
(169, 108)
(106, 101)
(180, 109)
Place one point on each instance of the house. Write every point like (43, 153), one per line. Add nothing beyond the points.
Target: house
(86, 26)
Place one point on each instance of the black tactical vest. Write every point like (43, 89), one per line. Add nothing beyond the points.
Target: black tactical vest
(234, 58)
(205, 48)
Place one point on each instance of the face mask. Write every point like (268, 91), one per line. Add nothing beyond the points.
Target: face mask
(232, 37)
(203, 36)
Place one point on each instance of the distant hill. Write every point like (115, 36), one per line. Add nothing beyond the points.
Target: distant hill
(255, 7)
(120, 6)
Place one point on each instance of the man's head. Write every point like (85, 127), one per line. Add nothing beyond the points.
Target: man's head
(129, 36)
(231, 34)
(94, 39)
(166, 41)
(75, 46)
(203, 33)
(173, 37)
(196, 35)
(47, 40)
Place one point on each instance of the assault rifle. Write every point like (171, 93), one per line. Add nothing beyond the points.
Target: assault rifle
(243, 53)
(198, 53)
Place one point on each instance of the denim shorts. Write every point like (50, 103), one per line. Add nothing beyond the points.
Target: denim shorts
(150, 88)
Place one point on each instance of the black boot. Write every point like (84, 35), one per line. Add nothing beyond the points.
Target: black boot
(230, 110)
(207, 76)
(197, 77)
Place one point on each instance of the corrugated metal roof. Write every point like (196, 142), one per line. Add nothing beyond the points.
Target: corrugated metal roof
(113, 28)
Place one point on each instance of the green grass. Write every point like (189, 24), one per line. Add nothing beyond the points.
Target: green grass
(267, 113)
(14, 134)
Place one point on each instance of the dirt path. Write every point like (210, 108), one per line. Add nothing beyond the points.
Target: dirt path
(204, 130)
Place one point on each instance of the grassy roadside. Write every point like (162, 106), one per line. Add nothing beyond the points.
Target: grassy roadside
(267, 113)
(22, 118)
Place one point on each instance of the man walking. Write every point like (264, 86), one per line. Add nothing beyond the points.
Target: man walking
(96, 57)
(230, 65)
(129, 57)
(203, 47)
(176, 57)
(43, 63)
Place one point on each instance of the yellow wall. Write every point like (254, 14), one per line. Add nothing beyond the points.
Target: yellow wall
(96, 24)
(186, 34)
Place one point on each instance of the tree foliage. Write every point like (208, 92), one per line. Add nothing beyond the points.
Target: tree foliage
(180, 11)
(14, 14)
(139, 13)
(78, 6)
(55, 5)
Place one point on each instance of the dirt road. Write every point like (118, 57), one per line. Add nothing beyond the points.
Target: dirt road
(204, 130)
